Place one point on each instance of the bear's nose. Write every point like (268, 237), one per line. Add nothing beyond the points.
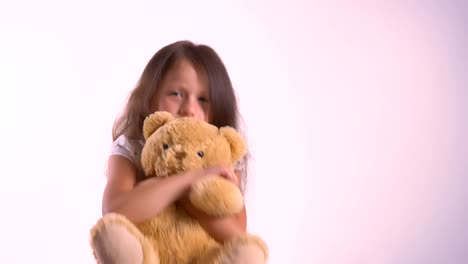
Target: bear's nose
(180, 155)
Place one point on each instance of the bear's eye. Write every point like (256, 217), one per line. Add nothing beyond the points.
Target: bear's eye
(165, 146)
(200, 154)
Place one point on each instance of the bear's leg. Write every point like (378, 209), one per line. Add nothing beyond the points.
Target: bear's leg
(114, 239)
(247, 249)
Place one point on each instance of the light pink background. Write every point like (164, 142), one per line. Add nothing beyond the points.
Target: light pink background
(355, 113)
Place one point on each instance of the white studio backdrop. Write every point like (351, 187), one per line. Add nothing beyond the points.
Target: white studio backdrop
(354, 112)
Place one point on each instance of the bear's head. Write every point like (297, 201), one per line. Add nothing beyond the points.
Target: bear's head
(174, 145)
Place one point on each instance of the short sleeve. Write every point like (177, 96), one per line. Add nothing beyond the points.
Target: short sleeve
(241, 167)
(130, 149)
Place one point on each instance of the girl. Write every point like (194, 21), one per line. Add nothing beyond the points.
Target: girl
(184, 79)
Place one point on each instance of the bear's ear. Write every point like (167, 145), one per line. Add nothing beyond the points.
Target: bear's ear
(235, 140)
(155, 121)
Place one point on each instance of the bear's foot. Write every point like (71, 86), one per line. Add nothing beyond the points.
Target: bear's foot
(115, 240)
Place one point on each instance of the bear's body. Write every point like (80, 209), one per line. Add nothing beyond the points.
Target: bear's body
(174, 146)
(188, 241)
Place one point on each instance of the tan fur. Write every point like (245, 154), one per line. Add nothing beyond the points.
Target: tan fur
(173, 146)
(216, 197)
(104, 234)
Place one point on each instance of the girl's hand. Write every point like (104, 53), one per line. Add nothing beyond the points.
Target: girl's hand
(218, 171)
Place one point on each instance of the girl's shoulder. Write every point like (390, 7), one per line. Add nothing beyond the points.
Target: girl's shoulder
(128, 148)
(240, 165)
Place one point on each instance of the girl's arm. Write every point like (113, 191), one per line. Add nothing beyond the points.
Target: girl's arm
(220, 228)
(147, 199)
(141, 202)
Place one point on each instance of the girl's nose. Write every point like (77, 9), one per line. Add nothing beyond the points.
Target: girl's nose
(188, 109)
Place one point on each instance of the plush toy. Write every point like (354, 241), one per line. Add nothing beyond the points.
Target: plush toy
(174, 145)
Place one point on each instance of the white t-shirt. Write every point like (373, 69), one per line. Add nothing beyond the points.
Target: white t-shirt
(131, 149)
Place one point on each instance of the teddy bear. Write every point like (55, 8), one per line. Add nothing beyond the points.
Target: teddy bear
(174, 145)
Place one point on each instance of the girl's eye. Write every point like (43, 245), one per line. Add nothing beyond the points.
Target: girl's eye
(203, 99)
(200, 154)
(174, 93)
(165, 146)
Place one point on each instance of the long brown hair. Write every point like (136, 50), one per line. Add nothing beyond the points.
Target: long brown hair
(224, 109)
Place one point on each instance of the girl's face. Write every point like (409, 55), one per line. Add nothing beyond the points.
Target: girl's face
(183, 92)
